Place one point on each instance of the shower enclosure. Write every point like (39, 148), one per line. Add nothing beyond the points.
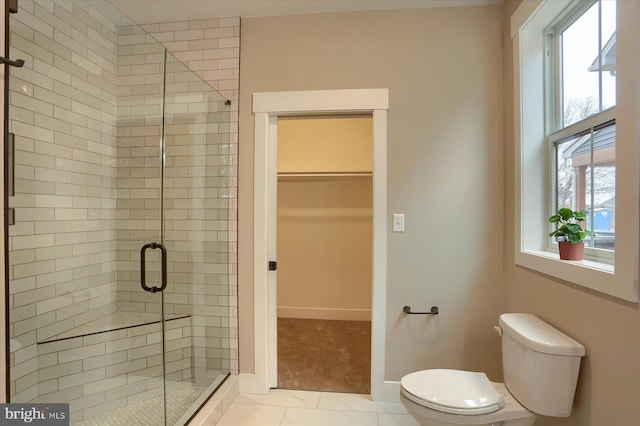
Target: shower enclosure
(119, 179)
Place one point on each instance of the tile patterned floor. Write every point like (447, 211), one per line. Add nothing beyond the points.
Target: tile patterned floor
(149, 412)
(304, 408)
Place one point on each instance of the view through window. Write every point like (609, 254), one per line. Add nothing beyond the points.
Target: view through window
(585, 140)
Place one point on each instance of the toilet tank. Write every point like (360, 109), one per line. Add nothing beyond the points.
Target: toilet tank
(540, 364)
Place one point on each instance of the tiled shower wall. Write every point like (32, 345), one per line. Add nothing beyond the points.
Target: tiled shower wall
(62, 262)
(71, 194)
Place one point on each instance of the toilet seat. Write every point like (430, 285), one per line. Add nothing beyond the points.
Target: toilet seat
(452, 391)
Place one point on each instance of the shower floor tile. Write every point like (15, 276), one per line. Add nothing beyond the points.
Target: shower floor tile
(149, 412)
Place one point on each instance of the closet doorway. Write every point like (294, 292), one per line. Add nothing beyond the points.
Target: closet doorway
(324, 252)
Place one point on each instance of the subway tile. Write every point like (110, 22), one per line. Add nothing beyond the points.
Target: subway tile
(60, 370)
(233, 21)
(218, 33)
(32, 241)
(53, 304)
(32, 21)
(81, 378)
(224, 43)
(31, 131)
(30, 48)
(53, 328)
(192, 34)
(174, 26)
(25, 369)
(105, 385)
(204, 23)
(86, 351)
(87, 401)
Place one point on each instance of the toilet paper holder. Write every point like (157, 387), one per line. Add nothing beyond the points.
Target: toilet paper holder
(434, 311)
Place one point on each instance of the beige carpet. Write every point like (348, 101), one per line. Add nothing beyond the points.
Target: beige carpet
(323, 355)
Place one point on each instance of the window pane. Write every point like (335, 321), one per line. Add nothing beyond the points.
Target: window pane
(580, 85)
(589, 78)
(602, 222)
(586, 180)
(609, 53)
(565, 176)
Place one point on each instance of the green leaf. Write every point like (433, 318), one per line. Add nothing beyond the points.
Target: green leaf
(565, 213)
(581, 215)
(574, 238)
(574, 227)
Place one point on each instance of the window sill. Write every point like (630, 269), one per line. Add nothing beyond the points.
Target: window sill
(585, 263)
(601, 277)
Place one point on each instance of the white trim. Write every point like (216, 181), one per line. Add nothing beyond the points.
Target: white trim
(252, 383)
(531, 177)
(379, 291)
(323, 101)
(391, 392)
(267, 107)
(271, 181)
(324, 313)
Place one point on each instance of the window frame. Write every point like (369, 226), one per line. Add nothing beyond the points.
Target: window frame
(593, 121)
(556, 129)
(531, 153)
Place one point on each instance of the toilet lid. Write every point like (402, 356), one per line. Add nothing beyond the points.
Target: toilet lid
(452, 391)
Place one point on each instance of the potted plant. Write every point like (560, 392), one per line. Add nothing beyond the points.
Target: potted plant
(569, 233)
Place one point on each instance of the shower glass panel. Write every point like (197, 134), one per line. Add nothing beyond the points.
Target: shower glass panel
(122, 175)
(196, 216)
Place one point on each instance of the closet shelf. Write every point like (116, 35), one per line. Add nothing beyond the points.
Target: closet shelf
(324, 174)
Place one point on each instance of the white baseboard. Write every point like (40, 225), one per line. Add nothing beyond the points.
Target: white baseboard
(391, 392)
(251, 383)
(324, 313)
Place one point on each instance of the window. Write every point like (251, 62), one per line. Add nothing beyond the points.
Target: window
(576, 133)
(584, 42)
(585, 179)
(581, 76)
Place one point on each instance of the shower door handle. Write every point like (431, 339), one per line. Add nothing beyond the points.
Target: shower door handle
(163, 267)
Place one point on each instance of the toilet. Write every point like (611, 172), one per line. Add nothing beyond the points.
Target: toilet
(540, 366)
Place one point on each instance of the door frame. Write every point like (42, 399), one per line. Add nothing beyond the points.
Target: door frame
(267, 107)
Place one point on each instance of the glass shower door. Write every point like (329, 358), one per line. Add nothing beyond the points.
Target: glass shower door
(141, 256)
(197, 183)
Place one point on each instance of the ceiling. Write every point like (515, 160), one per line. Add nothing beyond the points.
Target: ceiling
(154, 11)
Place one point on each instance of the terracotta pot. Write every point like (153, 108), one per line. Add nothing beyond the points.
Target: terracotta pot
(571, 251)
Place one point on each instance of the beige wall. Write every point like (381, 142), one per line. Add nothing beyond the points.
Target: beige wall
(325, 144)
(609, 385)
(443, 69)
(325, 248)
